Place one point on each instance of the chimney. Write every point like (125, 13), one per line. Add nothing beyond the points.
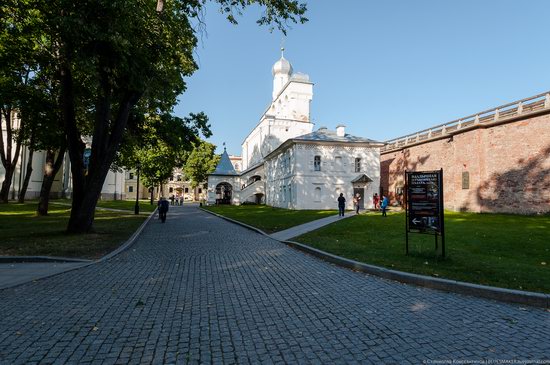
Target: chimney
(340, 130)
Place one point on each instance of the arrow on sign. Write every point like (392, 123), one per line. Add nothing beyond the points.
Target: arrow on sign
(416, 221)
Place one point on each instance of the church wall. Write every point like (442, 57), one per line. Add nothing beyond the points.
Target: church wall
(508, 166)
(288, 116)
(293, 102)
(280, 179)
(300, 187)
(320, 189)
(269, 135)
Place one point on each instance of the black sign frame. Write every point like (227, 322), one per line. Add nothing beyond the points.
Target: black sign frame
(424, 212)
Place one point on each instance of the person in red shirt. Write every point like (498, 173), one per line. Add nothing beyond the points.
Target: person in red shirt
(376, 200)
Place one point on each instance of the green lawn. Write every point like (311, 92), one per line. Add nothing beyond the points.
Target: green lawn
(23, 233)
(144, 205)
(508, 251)
(269, 219)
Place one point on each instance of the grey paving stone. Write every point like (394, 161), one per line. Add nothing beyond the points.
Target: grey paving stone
(198, 289)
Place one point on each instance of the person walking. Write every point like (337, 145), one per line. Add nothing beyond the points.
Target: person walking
(356, 200)
(341, 205)
(376, 200)
(384, 205)
(163, 206)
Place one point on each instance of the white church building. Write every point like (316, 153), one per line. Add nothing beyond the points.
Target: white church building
(285, 163)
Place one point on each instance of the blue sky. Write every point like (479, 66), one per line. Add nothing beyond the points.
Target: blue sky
(382, 68)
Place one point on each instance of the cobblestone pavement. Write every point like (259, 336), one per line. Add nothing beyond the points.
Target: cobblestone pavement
(201, 290)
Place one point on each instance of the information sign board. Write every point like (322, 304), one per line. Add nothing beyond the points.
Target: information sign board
(424, 201)
(424, 211)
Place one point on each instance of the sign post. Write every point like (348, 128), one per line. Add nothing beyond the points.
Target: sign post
(424, 210)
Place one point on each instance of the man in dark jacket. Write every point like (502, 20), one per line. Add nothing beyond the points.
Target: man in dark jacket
(163, 206)
(341, 205)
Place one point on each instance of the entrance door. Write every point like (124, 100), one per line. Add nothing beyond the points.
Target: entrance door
(361, 192)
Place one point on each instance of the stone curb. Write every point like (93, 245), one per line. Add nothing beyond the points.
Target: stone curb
(460, 287)
(85, 263)
(24, 259)
(130, 240)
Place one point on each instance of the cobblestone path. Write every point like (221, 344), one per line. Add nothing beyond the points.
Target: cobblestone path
(201, 290)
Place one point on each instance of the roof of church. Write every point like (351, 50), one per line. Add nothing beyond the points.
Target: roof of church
(325, 135)
(225, 167)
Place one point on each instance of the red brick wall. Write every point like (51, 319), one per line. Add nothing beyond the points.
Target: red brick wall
(508, 166)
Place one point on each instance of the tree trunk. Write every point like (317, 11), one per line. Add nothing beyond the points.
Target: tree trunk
(28, 174)
(50, 171)
(6, 184)
(9, 161)
(107, 135)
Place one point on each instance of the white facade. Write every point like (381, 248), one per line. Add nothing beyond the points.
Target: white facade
(294, 182)
(285, 164)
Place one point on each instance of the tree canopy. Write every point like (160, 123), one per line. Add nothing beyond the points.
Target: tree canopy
(159, 144)
(113, 60)
(201, 162)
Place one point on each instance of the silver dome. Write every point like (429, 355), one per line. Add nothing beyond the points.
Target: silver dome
(282, 66)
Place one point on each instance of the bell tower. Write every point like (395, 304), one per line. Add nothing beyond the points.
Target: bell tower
(282, 70)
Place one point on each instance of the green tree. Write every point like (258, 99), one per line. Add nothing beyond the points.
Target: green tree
(160, 144)
(18, 66)
(201, 162)
(109, 55)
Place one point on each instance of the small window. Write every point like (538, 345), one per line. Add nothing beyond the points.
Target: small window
(186, 190)
(131, 176)
(317, 194)
(200, 190)
(357, 164)
(317, 163)
(171, 190)
(179, 177)
(290, 193)
(130, 189)
(338, 163)
(171, 178)
(465, 180)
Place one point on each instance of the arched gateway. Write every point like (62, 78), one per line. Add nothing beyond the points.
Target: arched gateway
(224, 193)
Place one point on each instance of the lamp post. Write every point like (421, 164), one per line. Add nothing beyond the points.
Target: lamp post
(136, 209)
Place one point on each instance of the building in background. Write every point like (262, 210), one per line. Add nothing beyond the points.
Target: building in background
(287, 164)
(113, 188)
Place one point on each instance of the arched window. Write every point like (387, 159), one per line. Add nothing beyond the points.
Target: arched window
(357, 164)
(317, 163)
